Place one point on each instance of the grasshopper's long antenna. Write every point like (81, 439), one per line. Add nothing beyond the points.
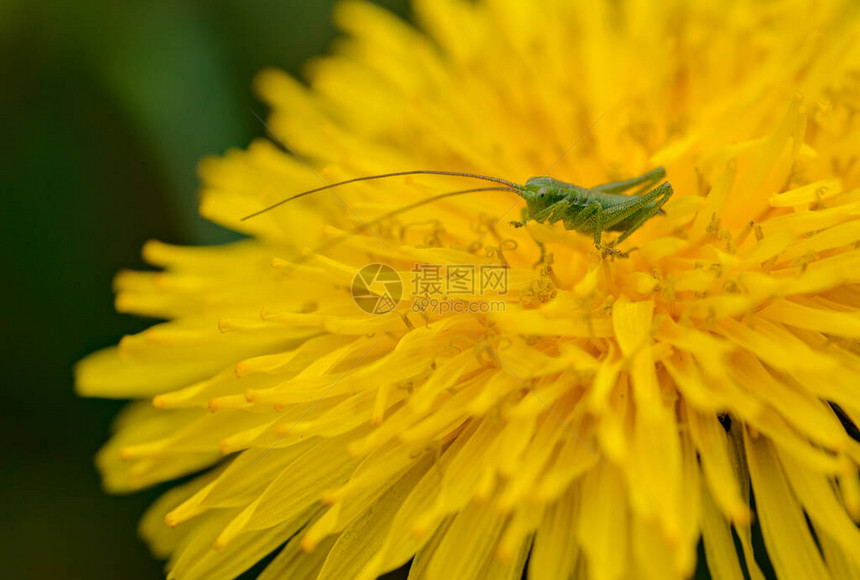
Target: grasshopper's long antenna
(509, 184)
(358, 229)
(581, 137)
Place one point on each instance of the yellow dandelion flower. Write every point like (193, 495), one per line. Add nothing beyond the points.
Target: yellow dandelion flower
(595, 417)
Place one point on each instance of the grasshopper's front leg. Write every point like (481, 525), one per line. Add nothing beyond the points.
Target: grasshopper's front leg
(552, 214)
(525, 215)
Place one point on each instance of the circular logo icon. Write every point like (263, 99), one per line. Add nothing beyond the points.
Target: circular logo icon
(377, 288)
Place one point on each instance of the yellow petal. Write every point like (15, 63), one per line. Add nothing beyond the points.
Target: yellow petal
(790, 546)
(555, 548)
(603, 528)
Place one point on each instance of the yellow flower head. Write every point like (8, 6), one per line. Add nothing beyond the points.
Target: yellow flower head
(595, 416)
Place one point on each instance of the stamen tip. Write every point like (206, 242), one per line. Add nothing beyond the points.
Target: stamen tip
(241, 369)
(308, 544)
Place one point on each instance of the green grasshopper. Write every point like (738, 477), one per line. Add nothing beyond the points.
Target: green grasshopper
(585, 210)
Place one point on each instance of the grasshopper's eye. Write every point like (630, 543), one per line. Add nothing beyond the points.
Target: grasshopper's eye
(542, 192)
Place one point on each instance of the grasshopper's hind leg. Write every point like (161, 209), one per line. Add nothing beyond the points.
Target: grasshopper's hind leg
(646, 180)
(658, 196)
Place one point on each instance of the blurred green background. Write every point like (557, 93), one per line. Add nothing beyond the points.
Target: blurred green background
(106, 108)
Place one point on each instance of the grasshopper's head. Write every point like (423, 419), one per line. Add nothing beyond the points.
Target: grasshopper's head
(542, 192)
